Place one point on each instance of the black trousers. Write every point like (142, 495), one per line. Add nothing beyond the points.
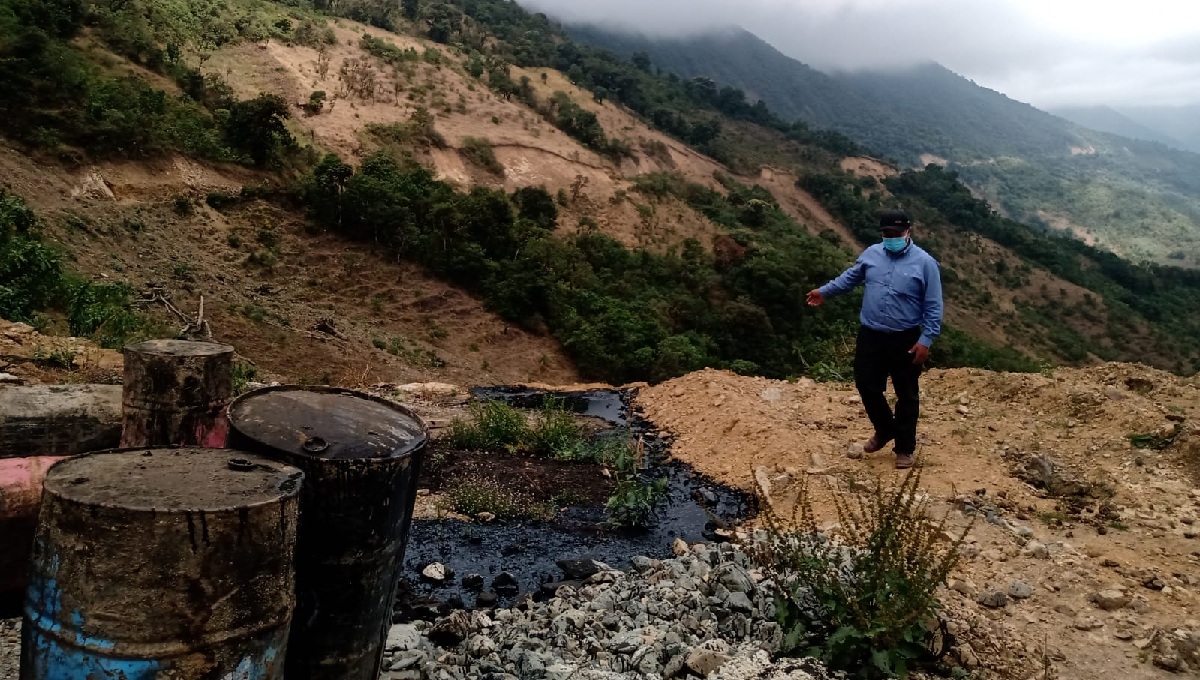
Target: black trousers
(877, 356)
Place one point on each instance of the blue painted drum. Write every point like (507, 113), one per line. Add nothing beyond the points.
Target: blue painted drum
(162, 563)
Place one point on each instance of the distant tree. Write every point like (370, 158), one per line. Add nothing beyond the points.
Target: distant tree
(256, 128)
(536, 205)
(444, 22)
(599, 94)
(641, 61)
(411, 8)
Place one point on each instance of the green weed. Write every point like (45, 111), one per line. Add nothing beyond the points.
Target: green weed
(861, 598)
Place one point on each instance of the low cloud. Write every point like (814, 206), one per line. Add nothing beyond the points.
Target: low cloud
(1034, 55)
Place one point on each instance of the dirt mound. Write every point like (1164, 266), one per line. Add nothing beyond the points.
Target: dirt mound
(1067, 508)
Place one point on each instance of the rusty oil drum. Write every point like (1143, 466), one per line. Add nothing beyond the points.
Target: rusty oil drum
(176, 393)
(361, 457)
(156, 563)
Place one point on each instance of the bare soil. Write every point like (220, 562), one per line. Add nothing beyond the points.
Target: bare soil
(981, 433)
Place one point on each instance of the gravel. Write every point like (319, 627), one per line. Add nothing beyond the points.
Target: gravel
(706, 613)
(10, 648)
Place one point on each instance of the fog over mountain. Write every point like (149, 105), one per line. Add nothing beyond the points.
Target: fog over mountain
(1061, 53)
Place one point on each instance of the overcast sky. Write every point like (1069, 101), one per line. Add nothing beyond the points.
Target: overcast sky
(1046, 52)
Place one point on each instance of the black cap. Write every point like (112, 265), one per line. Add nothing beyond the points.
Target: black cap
(894, 219)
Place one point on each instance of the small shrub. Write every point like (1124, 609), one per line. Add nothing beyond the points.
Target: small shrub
(495, 426)
(315, 103)
(268, 237)
(254, 312)
(418, 130)
(103, 312)
(263, 257)
(1156, 441)
(379, 343)
(218, 200)
(480, 152)
(556, 433)
(184, 207)
(867, 591)
(244, 373)
(634, 503)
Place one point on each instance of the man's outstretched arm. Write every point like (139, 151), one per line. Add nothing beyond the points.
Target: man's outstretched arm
(843, 284)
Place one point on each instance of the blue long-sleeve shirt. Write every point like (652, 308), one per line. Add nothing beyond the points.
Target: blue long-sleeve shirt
(903, 290)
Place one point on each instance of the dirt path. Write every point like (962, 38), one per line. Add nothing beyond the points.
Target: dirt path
(983, 435)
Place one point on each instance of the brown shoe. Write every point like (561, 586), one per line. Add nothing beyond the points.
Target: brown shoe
(904, 461)
(874, 444)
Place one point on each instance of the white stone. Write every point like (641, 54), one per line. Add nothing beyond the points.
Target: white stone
(435, 572)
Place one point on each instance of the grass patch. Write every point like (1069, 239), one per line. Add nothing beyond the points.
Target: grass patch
(494, 426)
(554, 433)
(473, 497)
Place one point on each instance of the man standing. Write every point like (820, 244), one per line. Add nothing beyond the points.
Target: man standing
(901, 317)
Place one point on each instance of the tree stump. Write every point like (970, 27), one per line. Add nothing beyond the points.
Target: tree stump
(176, 393)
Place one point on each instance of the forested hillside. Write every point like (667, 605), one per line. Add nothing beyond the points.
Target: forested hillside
(133, 81)
(1140, 199)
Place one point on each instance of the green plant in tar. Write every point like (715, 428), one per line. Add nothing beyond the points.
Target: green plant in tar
(634, 503)
(861, 599)
(555, 433)
(495, 426)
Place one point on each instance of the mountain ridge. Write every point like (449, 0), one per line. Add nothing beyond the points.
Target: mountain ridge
(1137, 198)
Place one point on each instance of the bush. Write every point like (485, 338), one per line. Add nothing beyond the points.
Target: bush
(419, 130)
(861, 598)
(30, 271)
(496, 426)
(315, 103)
(480, 152)
(103, 312)
(555, 433)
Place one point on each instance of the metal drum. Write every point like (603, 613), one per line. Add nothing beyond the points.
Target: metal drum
(20, 494)
(162, 563)
(361, 457)
(176, 393)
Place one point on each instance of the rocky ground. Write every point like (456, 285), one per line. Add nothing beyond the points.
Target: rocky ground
(1083, 553)
(706, 613)
(10, 648)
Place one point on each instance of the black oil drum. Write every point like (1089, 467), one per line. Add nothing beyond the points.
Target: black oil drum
(361, 456)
